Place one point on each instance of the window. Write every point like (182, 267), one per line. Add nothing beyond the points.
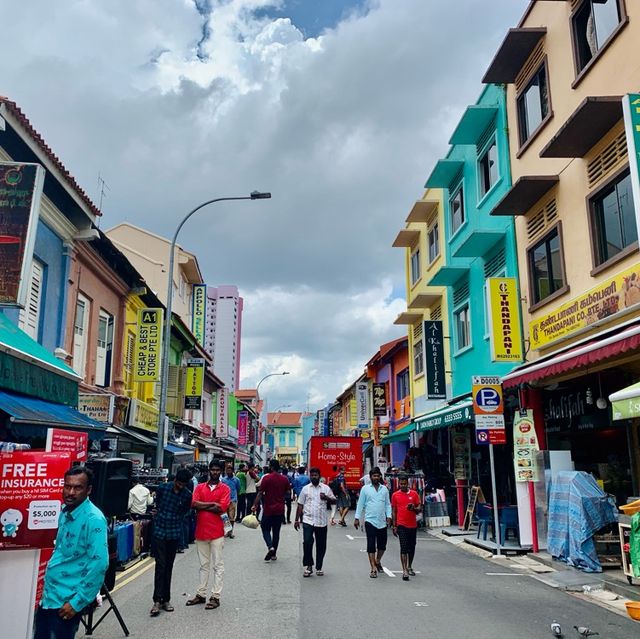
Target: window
(592, 24)
(614, 219)
(402, 384)
(105, 349)
(545, 266)
(488, 168)
(462, 320)
(80, 330)
(292, 439)
(282, 438)
(418, 358)
(533, 104)
(456, 206)
(29, 318)
(415, 266)
(434, 242)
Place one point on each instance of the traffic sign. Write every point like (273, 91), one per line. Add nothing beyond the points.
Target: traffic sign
(491, 436)
(487, 396)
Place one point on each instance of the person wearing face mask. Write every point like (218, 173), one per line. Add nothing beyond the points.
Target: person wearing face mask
(312, 513)
(405, 505)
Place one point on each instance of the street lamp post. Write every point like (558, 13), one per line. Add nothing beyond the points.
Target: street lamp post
(265, 377)
(164, 370)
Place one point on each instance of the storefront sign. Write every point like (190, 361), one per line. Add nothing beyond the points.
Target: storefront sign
(74, 442)
(30, 498)
(362, 401)
(322, 422)
(383, 429)
(353, 413)
(207, 431)
(97, 406)
(488, 408)
(525, 446)
(379, 400)
(194, 380)
(199, 311)
(434, 355)
(332, 424)
(504, 325)
(614, 295)
(20, 193)
(143, 416)
(148, 345)
(631, 111)
(461, 446)
(222, 423)
(449, 416)
(243, 426)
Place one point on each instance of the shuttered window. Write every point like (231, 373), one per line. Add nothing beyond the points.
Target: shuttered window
(29, 318)
(80, 331)
(104, 350)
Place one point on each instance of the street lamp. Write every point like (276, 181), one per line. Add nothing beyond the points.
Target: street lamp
(164, 371)
(267, 376)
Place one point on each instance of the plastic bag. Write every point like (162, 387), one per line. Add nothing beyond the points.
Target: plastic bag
(250, 521)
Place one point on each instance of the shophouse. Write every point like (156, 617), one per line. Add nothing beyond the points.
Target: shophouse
(566, 68)
(287, 436)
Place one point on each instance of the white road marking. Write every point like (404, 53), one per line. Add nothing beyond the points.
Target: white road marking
(350, 537)
(387, 571)
(506, 574)
(399, 572)
(421, 604)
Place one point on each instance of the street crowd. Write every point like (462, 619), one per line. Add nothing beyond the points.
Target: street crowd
(254, 497)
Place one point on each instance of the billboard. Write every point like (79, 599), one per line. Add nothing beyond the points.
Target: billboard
(379, 399)
(362, 404)
(243, 427)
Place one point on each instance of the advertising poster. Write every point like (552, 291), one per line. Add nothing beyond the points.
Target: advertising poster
(148, 345)
(194, 382)
(73, 442)
(30, 498)
(327, 452)
(504, 325)
(525, 446)
(199, 311)
(243, 425)
(380, 399)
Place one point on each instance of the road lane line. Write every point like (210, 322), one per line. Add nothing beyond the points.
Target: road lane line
(350, 537)
(387, 571)
(133, 569)
(506, 574)
(123, 583)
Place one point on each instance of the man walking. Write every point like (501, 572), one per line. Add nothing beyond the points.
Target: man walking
(252, 490)
(405, 505)
(312, 512)
(173, 502)
(273, 491)
(211, 500)
(233, 484)
(242, 493)
(342, 494)
(75, 573)
(374, 502)
(300, 481)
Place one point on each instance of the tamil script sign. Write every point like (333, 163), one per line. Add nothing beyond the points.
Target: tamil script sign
(199, 311)
(148, 345)
(97, 406)
(504, 324)
(434, 356)
(194, 380)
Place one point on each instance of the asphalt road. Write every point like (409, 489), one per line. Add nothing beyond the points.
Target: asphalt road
(456, 595)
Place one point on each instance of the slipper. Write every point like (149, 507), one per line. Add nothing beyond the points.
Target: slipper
(307, 572)
(379, 567)
(213, 602)
(155, 611)
(320, 573)
(412, 572)
(373, 574)
(167, 607)
(405, 577)
(196, 600)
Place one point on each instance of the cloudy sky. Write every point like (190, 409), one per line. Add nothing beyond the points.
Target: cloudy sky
(340, 108)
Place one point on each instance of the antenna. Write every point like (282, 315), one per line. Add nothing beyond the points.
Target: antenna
(103, 187)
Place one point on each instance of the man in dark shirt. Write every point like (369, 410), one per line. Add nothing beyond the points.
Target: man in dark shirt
(274, 488)
(173, 502)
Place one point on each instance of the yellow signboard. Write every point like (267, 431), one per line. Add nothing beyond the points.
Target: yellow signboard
(193, 384)
(199, 311)
(504, 314)
(353, 413)
(614, 295)
(148, 345)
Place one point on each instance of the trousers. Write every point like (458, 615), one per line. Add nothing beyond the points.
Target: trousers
(49, 625)
(308, 534)
(211, 561)
(270, 525)
(165, 554)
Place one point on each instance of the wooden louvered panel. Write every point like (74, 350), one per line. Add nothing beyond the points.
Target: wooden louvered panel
(608, 160)
(529, 67)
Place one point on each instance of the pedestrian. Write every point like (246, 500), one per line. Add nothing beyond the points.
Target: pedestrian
(312, 512)
(375, 504)
(252, 490)
(288, 498)
(339, 487)
(211, 500)
(242, 493)
(405, 505)
(233, 484)
(272, 492)
(300, 481)
(139, 499)
(173, 502)
(75, 572)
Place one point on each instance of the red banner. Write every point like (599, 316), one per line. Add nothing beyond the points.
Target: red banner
(243, 423)
(30, 498)
(74, 442)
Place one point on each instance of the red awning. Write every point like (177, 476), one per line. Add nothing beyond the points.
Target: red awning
(593, 352)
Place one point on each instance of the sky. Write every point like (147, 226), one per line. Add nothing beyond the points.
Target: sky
(339, 108)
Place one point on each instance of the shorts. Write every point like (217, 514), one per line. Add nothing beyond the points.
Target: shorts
(344, 501)
(407, 537)
(231, 511)
(376, 538)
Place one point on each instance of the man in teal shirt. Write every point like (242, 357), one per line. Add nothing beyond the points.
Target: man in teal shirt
(76, 570)
(242, 493)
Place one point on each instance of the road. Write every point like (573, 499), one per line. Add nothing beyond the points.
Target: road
(456, 595)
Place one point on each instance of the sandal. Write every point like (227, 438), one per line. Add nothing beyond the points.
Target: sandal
(320, 573)
(405, 577)
(196, 600)
(166, 606)
(307, 572)
(373, 574)
(213, 602)
(379, 567)
(412, 572)
(155, 611)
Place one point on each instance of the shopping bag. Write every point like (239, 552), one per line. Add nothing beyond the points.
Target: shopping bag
(250, 521)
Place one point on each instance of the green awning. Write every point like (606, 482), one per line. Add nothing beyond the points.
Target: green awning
(459, 413)
(399, 435)
(625, 403)
(443, 174)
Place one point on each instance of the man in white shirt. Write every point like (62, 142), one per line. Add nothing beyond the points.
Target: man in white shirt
(139, 498)
(312, 512)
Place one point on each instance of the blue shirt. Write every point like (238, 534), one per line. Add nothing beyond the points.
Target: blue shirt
(299, 483)
(375, 504)
(76, 570)
(172, 507)
(234, 486)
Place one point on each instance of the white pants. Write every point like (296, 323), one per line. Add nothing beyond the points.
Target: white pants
(210, 555)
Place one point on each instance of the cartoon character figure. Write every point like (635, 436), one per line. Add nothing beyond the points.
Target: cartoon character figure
(10, 520)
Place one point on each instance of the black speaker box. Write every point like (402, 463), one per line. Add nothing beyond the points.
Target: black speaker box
(111, 484)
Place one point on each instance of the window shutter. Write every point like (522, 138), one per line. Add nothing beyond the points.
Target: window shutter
(101, 351)
(29, 317)
(175, 391)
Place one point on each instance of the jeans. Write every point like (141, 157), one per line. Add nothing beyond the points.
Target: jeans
(320, 533)
(242, 506)
(251, 497)
(165, 556)
(49, 625)
(288, 503)
(270, 525)
(210, 556)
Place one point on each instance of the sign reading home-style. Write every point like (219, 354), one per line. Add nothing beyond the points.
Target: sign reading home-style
(20, 193)
(199, 311)
(194, 380)
(504, 313)
(222, 422)
(379, 399)
(434, 355)
(362, 401)
(488, 408)
(148, 345)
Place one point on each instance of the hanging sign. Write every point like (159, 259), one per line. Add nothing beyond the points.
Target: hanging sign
(504, 324)
(631, 111)
(379, 399)
(362, 401)
(199, 311)
(434, 355)
(525, 446)
(194, 380)
(488, 408)
(148, 345)
(243, 424)
(222, 424)
(74, 442)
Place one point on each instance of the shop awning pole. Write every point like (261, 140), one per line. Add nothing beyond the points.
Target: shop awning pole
(496, 518)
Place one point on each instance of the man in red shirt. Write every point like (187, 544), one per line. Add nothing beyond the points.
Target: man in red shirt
(273, 491)
(405, 505)
(210, 500)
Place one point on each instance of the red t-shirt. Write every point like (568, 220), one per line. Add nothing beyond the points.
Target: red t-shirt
(274, 487)
(400, 501)
(209, 525)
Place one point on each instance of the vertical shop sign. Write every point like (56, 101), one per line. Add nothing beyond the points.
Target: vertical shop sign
(434, 355)
(194, 384)
(199, 311)
(525, 446)
(222, 425)
(148, 345)
(631, 111)
(362, 402)
(461, 446)
(243, 425)
(353, 413)
(20, 193)
(379, 399)
(332, 423)
(322, 423)
(504, 319)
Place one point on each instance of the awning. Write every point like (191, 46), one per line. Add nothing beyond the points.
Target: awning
(406, 238)
(130, 434)
(517, 46)
(594, 351)
(407, 318)
(178, 450)
(422, 211)
(478, 243)
(458, 413)
(448, 275)
(625, 403)
(473, 124)
(425, 300)
(208, 445)
(400, 435)
(524, 194)
(585, 127)
(443, 174)
(29, 410)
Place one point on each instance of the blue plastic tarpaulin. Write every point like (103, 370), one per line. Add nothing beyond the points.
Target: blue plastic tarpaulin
(578, 509)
